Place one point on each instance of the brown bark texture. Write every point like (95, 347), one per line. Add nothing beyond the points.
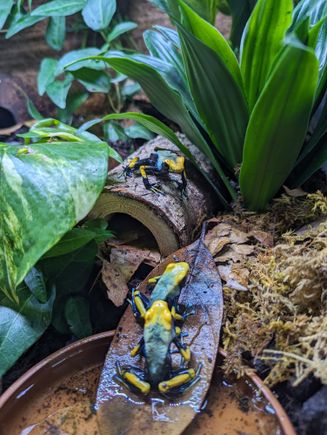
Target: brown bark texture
(172, 218)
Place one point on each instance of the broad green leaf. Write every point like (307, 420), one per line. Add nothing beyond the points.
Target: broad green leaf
(50, 128)
(73, 102)
(45, 189)
(21, 325)
(32, 110)
(71, 241)
(99, 227)
(120, 29)
(98, 14)
(262, 39)
(60, 8)
(137, 131)
(5, 8)
(158, 127)
(163, 48)
(206, 8)
(114, 132)
(71, 272)
(129, 89)
(22, 23)
(315, 10)
(278, 125)
(218, 98)
(47, 74)
(240, 11)
(92, 80)
(213, 39)
(77, 313)
(56, 32)
(66, 62)
(313, 161)
(58, 90)
(35, 282)
(318, 127)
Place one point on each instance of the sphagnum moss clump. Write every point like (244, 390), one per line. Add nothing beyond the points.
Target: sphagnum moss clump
(282, 318)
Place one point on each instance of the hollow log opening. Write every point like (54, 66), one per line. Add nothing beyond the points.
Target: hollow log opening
(7, 119)
(132, 231)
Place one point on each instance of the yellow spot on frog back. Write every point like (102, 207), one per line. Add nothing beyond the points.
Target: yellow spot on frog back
(179, 270)
(159, 313)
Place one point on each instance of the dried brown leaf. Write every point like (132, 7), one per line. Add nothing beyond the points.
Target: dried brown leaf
(115, 281)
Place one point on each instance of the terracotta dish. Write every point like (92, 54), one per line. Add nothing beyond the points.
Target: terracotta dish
(57, 396)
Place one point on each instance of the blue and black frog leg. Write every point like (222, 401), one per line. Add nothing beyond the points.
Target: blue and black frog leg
(180, 381)
(182, 348)
(132, 378)
(180, 313)
(146, 170)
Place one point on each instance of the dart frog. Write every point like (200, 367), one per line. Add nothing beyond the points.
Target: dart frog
(160, 163)
(160, 317)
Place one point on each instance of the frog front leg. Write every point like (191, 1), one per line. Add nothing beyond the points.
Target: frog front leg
(139, 304)
(145, 171)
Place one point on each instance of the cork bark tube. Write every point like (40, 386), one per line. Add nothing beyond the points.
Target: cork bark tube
(172, 220)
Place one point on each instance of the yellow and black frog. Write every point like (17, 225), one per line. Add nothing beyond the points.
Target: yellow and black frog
(161, 163)
(161, 319)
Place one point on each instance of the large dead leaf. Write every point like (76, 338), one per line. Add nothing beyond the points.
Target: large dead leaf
(115, 282)
(123, 412)
(124, 261)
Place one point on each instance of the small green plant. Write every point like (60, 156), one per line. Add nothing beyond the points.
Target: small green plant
(207, 9)
(48, 185)
(261, 120)
(96, 22)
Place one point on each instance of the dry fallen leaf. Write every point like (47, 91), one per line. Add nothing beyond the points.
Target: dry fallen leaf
(295, 193)
(237, 236)
(243, 249)
(266, 239)
(115, 282)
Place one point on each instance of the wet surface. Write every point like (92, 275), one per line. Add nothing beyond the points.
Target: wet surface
(64, 406)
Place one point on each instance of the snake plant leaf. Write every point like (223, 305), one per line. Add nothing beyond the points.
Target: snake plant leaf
(212, 38)
(315, 10)
(45, 189)
(206, 8)
(21, 324)
(165, 49)
(318, 124)
(278, 125)
(240, 11)
(218, 98)
(158, 127)
(311, 163)
(262, 39)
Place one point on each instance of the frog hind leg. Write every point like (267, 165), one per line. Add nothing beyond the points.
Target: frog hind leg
(138, 349)
(133, 379)
(183, 348)
(180, 381)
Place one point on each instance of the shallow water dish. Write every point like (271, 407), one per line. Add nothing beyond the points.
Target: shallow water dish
(59, 392)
